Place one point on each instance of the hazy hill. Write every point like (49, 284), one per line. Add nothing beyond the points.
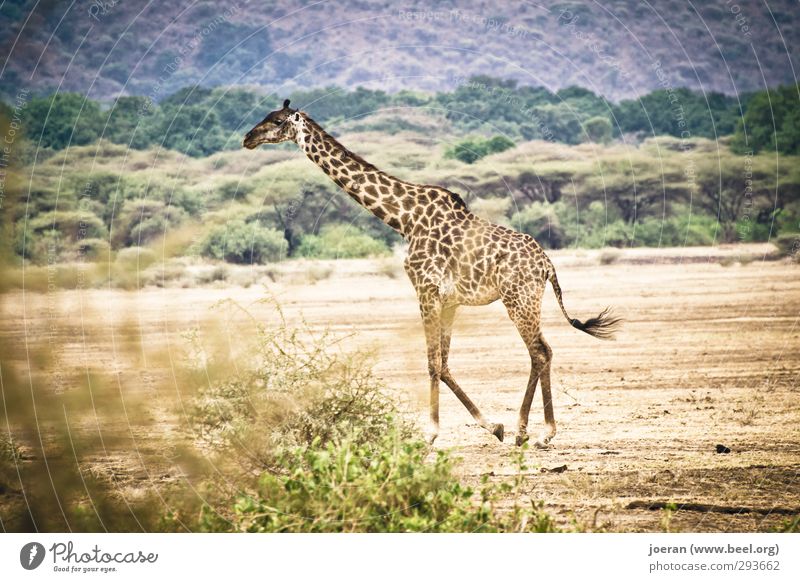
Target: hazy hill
(617, 48)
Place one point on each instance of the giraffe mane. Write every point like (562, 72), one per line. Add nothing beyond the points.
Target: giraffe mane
(456, 199)
(329, 137)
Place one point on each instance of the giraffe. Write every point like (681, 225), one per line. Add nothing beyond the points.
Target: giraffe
(454, 259)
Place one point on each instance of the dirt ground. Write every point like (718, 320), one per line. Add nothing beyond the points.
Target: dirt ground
(708, 356)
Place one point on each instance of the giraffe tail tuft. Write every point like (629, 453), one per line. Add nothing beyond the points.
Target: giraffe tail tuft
(604, 326)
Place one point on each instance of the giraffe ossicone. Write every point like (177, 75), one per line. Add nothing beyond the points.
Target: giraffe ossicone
(454, 258)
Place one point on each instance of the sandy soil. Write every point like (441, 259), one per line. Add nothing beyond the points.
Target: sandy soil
(708, 355)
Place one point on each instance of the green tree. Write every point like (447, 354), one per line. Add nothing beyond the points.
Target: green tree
(336, 103)
(124, 121)
(191, 129)
(598, 129)
(675, 111)
(236, 109)
(771, 122)
(62, 119)
(560, 122)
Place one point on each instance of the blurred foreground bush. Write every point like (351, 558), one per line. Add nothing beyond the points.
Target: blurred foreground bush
(333, 452)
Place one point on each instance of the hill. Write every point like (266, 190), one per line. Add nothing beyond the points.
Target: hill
(618, 49)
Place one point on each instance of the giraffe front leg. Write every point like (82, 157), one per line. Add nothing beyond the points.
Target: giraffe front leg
(431, 310)
(448, 316)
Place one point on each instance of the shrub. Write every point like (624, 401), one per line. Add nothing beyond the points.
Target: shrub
(142, 221)
(472, 149)
(240, 242)
(137, 258)
(48, 236)
(73, 225)
(341, 242)
(788, 245)
(189, 200)
(787, 218)
(234, 189)
(386, 487)
(541, 222)
(92, 249)
(332, 451)
(298, 391)
(609, 256)
(599, 225)
(166, 274)
(212, 275)
(677, 230)
(595, 226)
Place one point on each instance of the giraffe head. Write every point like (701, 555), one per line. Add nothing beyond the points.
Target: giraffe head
(276, 127)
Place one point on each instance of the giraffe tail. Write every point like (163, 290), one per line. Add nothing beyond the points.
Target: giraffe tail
(602, 327)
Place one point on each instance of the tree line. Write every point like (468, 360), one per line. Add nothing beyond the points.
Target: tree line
(200, 121)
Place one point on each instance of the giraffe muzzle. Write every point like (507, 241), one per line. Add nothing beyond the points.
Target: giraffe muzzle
(249, 141)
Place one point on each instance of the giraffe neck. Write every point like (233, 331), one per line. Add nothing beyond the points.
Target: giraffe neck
(383, 195)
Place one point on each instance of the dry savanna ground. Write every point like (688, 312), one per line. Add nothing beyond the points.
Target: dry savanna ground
(708, 356)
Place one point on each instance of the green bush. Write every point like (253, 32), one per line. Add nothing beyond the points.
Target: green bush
(92, 249)
(595, 226)
(386, 487)
(299, 390)
(141, 221)
(247, 243)
(341, 242)
(473, 149)
(708, 115)
(135, 258)
(787, 218)
(49, 237)
(234, 189)
(541, 221)
(599, 225)
(788, 245)
(72, 225)
(677, 230)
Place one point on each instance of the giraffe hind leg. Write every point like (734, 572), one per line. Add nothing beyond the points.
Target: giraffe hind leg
(547, 399)
(525, 315)
(540, 354)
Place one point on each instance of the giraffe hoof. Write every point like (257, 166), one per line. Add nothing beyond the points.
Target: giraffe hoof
(499, 431)
(522, 439)
(543, 443)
